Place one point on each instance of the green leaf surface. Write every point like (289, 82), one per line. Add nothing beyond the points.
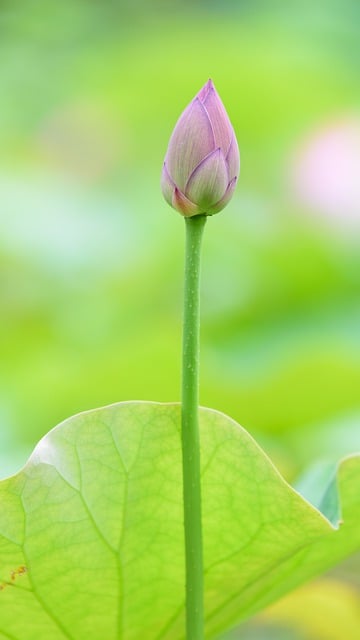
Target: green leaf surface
(91, 533)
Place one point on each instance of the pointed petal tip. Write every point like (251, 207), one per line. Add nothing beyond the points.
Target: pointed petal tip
(226, 197)
(205, 90)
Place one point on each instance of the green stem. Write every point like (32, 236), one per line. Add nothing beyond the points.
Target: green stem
(190, 431)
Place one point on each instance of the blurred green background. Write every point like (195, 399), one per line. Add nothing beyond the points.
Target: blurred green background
(92, 257)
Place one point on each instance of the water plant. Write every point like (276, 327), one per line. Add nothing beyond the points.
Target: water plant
(120, 507)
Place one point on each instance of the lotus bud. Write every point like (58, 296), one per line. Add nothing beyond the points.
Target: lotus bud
(202, 161)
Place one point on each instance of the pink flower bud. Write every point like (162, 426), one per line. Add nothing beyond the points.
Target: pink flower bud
(202, 162)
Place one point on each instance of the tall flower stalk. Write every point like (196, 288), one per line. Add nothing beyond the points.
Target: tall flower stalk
(190, 430)
(199, 175)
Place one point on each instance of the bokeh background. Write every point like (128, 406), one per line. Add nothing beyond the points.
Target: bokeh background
(92, 257)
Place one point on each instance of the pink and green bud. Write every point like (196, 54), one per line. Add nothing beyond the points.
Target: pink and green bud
(202, 162)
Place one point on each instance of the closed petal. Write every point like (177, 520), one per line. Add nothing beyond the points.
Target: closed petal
(209, 180)
(233, 159)
(191, 141)
(167, 185)
(182, 204)
(205, 90)
(225, 199)
(223, 131)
